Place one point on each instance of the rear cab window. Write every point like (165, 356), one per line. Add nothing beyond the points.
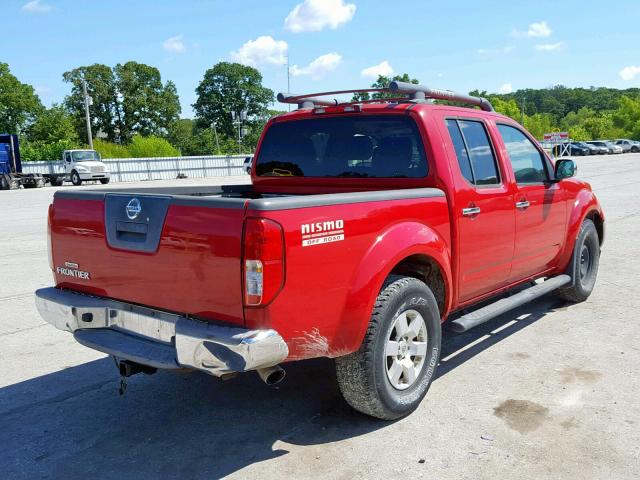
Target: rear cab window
(475, 154)
(367, 146)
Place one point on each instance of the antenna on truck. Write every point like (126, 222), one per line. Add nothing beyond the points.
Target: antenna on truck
(414, 92)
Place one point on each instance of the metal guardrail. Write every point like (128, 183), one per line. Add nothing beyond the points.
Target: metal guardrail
(156, 168)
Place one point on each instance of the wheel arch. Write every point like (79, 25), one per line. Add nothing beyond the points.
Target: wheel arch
(598, 220)
(408, 248)
(427, 270)
(585, 206)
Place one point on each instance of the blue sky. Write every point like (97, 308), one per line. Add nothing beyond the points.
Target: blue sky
(332, 44)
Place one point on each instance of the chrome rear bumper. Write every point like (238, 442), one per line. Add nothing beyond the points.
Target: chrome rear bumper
(156, 338)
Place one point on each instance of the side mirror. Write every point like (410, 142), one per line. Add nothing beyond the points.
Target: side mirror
(565, 168)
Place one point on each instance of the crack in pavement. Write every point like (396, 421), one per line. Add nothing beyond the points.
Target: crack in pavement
(15, 295)
(63, 397)
(23, 330)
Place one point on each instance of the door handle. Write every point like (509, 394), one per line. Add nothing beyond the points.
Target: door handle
(470, 211)
(523, 204)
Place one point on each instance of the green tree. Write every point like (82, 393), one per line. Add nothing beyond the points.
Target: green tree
(19, 104)
(139, 147)
(106, 116)
(111, 150)
(627, 117)
(151, 146)
(193, 139)
(507, 107)
(148, 107)
(127, 99)
(540, 123)
(230, 87)
(46, 150)
(185, 135)
(52, 125)
(383, 82)
(579, 134)
(250, 141)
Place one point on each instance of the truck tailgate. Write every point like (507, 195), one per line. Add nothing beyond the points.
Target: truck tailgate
(176, 253)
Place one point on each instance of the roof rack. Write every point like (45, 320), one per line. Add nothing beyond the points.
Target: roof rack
(414, 92)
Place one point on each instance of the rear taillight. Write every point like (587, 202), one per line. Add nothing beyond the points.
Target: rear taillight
(263, 261)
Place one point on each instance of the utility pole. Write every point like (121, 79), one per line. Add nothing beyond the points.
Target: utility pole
(215, 134)
(238, 118)
(522, 113)
(87, 103)
(288, 81)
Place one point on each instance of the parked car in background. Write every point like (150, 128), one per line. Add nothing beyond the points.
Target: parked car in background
(246, 165)
(604, 148)
(613, 148)
(628, 145)
(571, 149)
(592, 149)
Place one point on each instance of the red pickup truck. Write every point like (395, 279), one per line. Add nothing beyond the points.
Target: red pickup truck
(366, 227)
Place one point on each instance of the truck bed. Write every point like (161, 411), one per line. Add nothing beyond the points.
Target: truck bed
(184, 252)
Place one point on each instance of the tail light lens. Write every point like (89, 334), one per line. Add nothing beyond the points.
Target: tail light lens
(263, 261)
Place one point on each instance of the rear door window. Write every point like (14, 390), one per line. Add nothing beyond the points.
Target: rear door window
(372, 146)
(461, 150)
(475, 154)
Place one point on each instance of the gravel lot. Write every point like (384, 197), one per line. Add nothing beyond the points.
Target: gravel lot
(547, 391)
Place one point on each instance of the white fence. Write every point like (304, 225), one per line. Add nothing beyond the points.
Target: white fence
(162, 168)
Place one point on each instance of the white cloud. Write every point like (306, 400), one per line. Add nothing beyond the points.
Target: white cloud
(550, 47)
(316, 15)
(540, 29)
(174, 44)
(383, 68)
(36, 6)
(262, 50)
(535, 30)
(629, 73)
(506, 88)
(319, 67)
(496, 51)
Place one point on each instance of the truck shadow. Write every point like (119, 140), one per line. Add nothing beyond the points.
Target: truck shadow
(72, 423)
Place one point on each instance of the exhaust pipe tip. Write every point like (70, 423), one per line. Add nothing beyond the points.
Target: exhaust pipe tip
(271, 375)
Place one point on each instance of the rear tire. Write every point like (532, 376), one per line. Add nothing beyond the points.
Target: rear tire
(56, 182)
(75, 178)
(5, 182)
(104, 181)
(583, 267)
(390, 374)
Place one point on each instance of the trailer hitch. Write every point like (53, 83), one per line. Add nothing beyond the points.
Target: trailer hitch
(128, 368)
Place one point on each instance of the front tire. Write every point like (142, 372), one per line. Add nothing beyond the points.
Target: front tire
(390, 374)
(583, 267)
(75, 179)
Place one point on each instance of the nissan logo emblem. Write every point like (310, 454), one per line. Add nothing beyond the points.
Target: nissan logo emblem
(133, 208)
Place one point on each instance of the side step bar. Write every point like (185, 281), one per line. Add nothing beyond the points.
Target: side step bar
(503, 305)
